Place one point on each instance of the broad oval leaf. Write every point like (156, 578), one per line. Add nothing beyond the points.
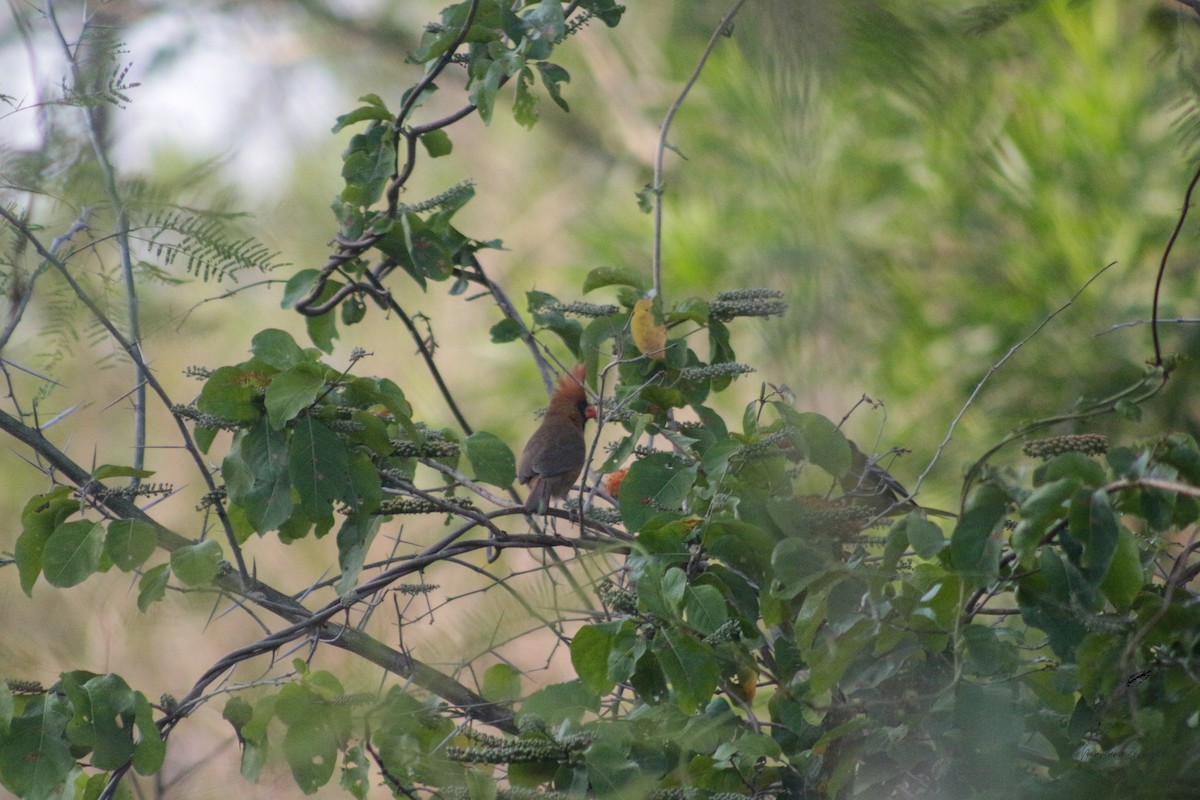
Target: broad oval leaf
(590, 649)
(654, 484)
(277, 348)
(293, 391)
(491, 459)
(613, 276)
(196, 564)
(153, 586)
(1125, 577)
(130, 542)
(72, 552)
(691, 668)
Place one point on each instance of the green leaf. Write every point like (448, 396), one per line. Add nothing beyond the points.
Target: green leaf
(1046, 602)
(690, 666)
(988, 715)
(552, 76)
(437, 143)
(653, 484)
(590, 649)
(368, 164)
(130, 542)
(72, 552)
(238, 713)
(483, 91)
(231, 393)
(973, 552)
(1125, 577)
(506, 330)
(628, 646)
(1100, 537)
(830, 661)
(491, 459)
(743, 546)
(278, 349)
(1045, 506)
(298, 286)
(796, 563)
(356, 772)
(319, 467)
(595, 334)
(625, 447)
(501, 683)
(366, 488)
(254, 738)
(1074, 465)
(674, 586)
(153, 586)
(926, 537)
(820, 441)
(375, 109)
(394, 399)
(150, 751)
(35, 756)
(293, 391)
(196, 564)
(7, 708)
(705, 608)
(354, 540)
(608, 11)
(257, 477)
(118, 471)
(988, 652)
(559, 702)
(614, 276)
(525, 104)
(546, 22)
(106, 721)
(311, 748)
(720, 350)
(28, 554)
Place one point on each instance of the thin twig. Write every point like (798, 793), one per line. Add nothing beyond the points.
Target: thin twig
(27, 290)
(992, 371)
(135, 353)
(109, 174)
(660, 149)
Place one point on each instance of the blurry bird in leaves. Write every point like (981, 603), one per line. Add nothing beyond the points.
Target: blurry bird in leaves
(870, 484)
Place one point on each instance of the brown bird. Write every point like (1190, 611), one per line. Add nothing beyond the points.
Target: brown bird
(554, 455)
(868, 483)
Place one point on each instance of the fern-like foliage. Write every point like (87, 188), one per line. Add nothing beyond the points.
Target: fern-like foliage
(211, 248)
(114, 91)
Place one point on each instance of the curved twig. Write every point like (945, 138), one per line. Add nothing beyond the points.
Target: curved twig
(1162, 267)
(656, 259)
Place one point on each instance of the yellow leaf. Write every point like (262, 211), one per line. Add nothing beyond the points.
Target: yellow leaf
(650, 338)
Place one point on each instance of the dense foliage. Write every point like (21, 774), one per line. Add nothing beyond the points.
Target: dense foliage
(764, 613)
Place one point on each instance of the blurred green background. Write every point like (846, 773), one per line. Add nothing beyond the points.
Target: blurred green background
(926, 181)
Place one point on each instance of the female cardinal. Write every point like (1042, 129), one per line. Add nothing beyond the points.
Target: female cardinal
(554, 456)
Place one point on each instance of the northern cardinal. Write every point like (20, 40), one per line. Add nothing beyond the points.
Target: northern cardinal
(871, 484)
(554, 455)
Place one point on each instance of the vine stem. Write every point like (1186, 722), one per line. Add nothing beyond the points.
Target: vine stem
(660, 149)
